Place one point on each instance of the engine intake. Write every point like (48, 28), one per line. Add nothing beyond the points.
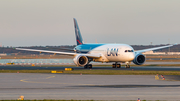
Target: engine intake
(139, 59)
(80, 60)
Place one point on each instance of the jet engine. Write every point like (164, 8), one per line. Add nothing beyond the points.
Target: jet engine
(80, 60)
(139, 59)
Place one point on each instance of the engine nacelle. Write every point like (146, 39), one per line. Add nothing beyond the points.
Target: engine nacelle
(80, 60)
(139, 59)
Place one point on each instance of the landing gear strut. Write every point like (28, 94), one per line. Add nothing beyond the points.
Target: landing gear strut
(88, 66)
(127, 65)
(116, 65)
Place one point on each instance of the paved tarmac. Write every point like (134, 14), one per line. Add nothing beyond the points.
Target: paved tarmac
(88, 87)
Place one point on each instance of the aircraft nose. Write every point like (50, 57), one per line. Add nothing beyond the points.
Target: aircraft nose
(131, 56)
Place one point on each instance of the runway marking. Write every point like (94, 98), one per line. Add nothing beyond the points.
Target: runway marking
(23, 80)
(50, 77)
(26, 80)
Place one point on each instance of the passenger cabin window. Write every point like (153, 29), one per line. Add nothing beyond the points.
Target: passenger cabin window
(129, 51)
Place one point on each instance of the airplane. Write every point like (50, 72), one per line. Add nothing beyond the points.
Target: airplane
(105, 53)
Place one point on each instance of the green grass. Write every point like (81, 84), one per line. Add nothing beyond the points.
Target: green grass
(99, 72)
(25, 71)
(80, 100)
(122, 72)
(49, 100)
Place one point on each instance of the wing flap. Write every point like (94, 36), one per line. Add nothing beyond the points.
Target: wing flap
(47, 51)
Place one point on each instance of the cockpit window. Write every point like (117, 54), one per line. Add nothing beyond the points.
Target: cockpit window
(129, 51)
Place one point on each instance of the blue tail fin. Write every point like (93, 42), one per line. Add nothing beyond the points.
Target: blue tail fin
(78, 33)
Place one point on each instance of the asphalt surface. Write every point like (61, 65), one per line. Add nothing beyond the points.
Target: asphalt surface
(88, 87)
(158, 68)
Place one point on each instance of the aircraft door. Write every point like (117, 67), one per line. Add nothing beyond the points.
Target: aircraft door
(119, 51)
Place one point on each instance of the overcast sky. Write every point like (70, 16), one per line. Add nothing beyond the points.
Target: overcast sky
(50, 22)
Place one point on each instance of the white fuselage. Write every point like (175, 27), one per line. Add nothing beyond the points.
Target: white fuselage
(110, 52)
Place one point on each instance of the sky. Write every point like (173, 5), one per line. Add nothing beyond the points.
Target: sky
(50, 22)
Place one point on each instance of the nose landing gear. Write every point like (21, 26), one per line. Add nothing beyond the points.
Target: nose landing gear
(127, 65)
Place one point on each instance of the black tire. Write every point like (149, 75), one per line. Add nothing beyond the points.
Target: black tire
(118, 65)
(90, 66)
(127, 66)
(85, 67)
(113, 65)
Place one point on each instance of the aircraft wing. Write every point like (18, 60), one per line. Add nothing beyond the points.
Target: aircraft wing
(64, 53)
(155, 48)
(66, 49)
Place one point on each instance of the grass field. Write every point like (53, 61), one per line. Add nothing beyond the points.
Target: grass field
(99, 72)
(75, 100)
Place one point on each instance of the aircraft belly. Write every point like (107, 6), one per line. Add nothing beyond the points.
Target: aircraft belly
(117, 58)
(114, 58)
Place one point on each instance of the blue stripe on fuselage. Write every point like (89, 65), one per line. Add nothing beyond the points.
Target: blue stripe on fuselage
(85, 48)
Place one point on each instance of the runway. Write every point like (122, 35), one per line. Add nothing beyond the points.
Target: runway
(88, 87)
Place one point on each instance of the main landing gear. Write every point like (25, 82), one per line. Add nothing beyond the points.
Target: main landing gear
(116, 65)
(88, 66)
